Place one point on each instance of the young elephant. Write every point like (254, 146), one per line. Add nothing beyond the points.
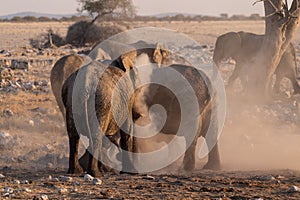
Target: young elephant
(88, 93)
(242, 47)
(206, 99)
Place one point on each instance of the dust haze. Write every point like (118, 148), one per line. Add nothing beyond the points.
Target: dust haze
(256, 136)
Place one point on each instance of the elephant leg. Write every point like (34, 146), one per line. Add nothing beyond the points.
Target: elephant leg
(84, 160)
(74, 166)
(189, 156)
(128, 147)
(234, 76)
(103, 164)
(295, 84)
(211, 138)
(93, 161)
(214, 161)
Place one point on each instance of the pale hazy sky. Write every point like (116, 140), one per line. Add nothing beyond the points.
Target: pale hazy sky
(145, 7)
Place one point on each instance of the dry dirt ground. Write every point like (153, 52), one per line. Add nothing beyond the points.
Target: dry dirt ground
(259, 145)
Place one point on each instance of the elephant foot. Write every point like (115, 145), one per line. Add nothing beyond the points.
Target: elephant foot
(189, 167)
(129, 173)
(77, 170)
(105, 168)
(84, 160)
(212, 166)
(95, 173)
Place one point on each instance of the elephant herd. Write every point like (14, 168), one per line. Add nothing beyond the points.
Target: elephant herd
(85, 91)
(101, 98)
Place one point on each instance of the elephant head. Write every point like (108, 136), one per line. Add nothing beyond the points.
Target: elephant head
(227, 46)
(161, 55)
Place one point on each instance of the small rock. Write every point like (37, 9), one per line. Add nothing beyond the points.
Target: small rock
(267, 178)
(44, 197)
(76, 183)
(27, 190)
(55, 179)
(24, 182)
(280, 177)
(97, 181)
(8, 190)
(23, 65)
(62, 191)
(16, 182)
(7, 113)
(65, 178)
(31, 122)
(149, 177)
(74, 190)
(28, 86)
(50, 165)
(2, 176)
(43, 83)
(88, 178)
(294, 189)
(6, 195)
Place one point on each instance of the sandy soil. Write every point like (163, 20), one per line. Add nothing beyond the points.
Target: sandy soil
(259, 145)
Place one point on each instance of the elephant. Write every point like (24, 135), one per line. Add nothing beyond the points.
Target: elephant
(67, 65)
(242, 47)
(61, 70)
(101, 100)
(84, 100)
(207, 101)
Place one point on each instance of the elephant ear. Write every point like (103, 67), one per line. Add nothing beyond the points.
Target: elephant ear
(161, 55)
(157, 54)
(128, 60)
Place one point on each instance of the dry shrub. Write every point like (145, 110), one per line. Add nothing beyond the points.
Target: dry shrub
(47, 40)
(83, 32)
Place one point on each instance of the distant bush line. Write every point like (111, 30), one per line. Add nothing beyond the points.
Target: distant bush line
(179, 17)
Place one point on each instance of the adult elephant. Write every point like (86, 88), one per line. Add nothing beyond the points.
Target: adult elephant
(92, 97)
(242, 47)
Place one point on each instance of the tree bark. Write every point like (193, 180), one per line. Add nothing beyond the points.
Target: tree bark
(280, 27)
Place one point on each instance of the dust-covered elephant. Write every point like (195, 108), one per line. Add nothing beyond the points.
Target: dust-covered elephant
(94, 85)
(242, 47)
(206, 99)
(92, 95)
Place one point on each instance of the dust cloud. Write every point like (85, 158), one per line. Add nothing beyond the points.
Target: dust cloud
(261, 136)
(256, 136)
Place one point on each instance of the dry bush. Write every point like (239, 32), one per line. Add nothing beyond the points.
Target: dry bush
(84, 32)
(47, 40)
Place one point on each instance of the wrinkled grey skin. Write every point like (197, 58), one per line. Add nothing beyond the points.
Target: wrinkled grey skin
(62, 69)
(90, 106)
(67, 65)
(202, 87)
(242, 47)
(85, 106)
